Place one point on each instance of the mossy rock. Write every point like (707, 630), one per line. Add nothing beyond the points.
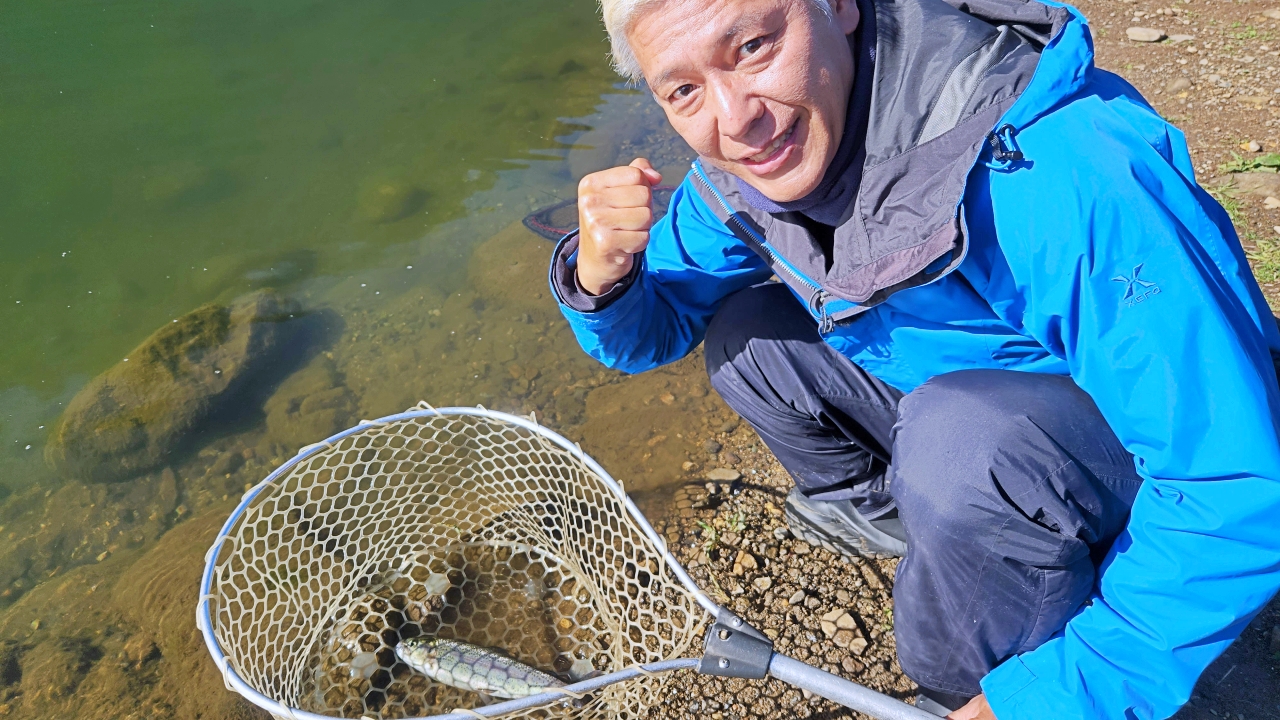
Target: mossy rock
(128, 419)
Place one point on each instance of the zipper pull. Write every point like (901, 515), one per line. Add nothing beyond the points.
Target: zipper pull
(825, 323)
(1003, 147)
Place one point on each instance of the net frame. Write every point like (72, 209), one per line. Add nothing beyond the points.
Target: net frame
(206, 612)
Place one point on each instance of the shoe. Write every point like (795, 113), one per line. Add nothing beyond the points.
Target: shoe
(836, 526)
(940, 704)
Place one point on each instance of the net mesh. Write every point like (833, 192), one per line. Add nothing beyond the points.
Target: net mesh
(451, 526)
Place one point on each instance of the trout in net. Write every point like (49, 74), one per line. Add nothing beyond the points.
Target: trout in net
(469, 667)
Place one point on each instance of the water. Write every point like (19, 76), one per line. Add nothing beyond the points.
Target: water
(370, 162)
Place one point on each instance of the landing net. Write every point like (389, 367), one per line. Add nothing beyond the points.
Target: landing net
(463, 524)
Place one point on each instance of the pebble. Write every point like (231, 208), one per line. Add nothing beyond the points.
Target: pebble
(812, 602)
(1175, 39)
(712, 446)
(730, 458)
(729, 425)
(850, 665)
(833, 615)
(1271, 203)
(1273, 14)
(1141, 34)
(843, 597)
(712, 488)
(846, 622)
(667, 398)
(724, 475)
(35, 624)
(688, 466)
(1252, 146)
(798, 596)
(1177, 85)
(762, 583)
(843, 638)
(858, 645)
(801, 548)
(104, 555)
(828, 628)
(782, 532)
(746, 560)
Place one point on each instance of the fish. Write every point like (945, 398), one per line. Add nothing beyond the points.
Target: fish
(470, 667)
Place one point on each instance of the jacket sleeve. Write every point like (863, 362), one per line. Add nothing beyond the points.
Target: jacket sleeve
(1134, 276)
(692, 263)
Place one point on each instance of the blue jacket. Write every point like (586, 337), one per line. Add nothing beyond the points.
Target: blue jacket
(1099, 257)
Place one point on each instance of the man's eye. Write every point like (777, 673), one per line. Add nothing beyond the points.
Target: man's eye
(683, 91)
(751, 46)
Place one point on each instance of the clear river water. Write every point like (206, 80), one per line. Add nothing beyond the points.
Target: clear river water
(365, 164)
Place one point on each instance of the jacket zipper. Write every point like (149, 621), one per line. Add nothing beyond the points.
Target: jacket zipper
(817, 300)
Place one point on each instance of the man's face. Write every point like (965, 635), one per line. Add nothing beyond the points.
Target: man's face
(758, 87)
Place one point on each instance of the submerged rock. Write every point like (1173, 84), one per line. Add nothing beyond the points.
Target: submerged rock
(388, 201)
(126, 420)
(309, 406)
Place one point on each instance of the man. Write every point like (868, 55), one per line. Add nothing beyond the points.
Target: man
(1012, 340)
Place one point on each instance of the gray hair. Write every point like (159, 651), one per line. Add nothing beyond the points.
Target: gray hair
(620, 15)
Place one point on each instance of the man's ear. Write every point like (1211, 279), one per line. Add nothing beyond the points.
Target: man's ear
(846, 15)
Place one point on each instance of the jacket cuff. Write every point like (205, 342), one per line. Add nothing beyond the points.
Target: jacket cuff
(564, 279)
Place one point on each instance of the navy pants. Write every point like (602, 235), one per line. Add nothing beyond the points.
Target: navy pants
(1010, 485)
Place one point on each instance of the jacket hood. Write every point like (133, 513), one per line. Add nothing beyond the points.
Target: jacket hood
(947, 75)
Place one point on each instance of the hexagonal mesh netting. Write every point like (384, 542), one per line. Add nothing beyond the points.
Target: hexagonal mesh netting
(451, 526)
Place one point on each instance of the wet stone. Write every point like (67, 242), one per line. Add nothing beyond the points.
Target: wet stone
(711, 446)
(724, 475)
(1177, 85)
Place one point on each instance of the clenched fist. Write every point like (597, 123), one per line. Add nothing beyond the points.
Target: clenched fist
(615, 211)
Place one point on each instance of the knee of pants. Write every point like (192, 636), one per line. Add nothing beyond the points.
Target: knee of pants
(952, 436)
(761, 312)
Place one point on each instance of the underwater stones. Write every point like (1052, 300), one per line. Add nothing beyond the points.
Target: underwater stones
(386, 201)
(309, 406)
(128, 419)
(53, 669)
(510, 268)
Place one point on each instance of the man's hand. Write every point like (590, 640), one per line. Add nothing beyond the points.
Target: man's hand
(615, 211)
(975, 709)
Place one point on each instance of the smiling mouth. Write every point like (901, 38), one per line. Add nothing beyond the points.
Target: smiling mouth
(773, 146)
